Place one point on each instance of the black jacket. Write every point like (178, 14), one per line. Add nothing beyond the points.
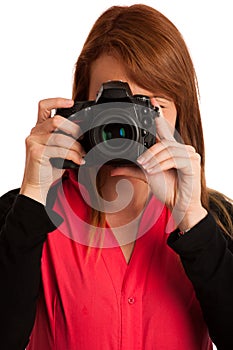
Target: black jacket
(206, 254)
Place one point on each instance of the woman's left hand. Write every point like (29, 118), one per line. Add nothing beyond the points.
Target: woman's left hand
(173, 172)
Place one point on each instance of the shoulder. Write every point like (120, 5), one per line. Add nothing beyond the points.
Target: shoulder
(220, 204)
(221, 208)
(6, 202)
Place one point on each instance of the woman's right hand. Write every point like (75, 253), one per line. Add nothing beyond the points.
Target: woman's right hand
(43, 144)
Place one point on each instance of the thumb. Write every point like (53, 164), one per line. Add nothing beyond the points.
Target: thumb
(46, 106)
(163, 129)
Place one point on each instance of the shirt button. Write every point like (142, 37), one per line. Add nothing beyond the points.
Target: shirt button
(131, 300)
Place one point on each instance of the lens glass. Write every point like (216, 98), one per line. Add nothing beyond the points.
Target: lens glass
(116, 131)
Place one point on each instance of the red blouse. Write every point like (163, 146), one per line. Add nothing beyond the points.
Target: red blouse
(93, 300)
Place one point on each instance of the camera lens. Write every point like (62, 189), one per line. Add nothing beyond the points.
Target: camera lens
(116, 131)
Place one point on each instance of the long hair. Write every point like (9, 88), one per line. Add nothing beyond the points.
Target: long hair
(157, 59)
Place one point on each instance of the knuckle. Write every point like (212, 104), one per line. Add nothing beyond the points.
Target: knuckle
(36, 151)
(55, 121)
(55, 139)
(170, 145)
(165, 142)
(28, 140)
(41, 104)
(198, 157)
(33, 130)
(190, 149)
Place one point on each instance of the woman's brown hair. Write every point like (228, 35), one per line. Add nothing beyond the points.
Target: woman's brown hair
(157, 59)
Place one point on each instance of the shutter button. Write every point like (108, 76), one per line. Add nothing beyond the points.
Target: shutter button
(131, 300)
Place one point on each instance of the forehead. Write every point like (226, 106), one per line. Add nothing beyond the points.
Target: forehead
(107, 68)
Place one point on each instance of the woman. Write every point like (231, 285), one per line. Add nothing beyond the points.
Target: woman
(132, 293)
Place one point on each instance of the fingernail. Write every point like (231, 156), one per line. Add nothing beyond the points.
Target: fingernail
(140, 160)
(82, 161)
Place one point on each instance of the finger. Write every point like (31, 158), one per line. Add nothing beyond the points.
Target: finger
(156, 149)
(46, 106)
(59, 152)
(167, 155)
(168, 164)
(163, 129)
(183, 163)
(60, 140)
(168, 149)
(41, 147)
(55, 124)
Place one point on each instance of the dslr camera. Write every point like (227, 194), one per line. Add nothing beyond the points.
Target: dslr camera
(116, 128)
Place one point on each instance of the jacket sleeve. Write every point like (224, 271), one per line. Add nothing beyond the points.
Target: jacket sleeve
(24, 227)
(206, 254)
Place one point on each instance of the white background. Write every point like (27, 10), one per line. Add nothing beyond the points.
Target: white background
(40, 41)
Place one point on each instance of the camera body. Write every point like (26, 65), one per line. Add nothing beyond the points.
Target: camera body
(117, 127)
